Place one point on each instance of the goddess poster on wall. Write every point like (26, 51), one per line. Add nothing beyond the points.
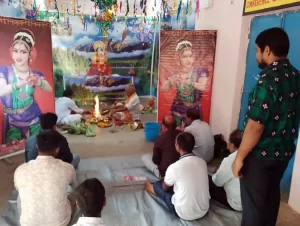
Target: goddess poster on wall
(26, 77)
(185, 75)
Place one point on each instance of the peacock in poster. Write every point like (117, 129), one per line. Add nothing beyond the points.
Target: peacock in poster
(93, 61)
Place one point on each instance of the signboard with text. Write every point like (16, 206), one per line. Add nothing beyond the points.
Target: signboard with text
(258, 6)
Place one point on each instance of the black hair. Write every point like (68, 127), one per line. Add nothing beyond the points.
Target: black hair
(236, 138)
(90, 197)
(68, 92)
(193, 114)
(277, 39)
(48, 141)
(169, 124)
(186, 142)
(48, 120)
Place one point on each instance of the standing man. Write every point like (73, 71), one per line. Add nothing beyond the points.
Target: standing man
(271, 126)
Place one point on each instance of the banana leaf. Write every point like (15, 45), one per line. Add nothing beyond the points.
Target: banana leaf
(91, 130)
(75, 129)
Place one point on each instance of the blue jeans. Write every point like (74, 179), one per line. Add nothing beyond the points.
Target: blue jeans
(75, 161)
(164, 196)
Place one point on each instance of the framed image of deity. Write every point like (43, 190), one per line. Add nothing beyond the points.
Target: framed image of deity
(26, 79)
(185, 73)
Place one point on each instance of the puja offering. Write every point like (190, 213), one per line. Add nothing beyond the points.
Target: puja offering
(99, 118)
(135, 125)
(104, 124)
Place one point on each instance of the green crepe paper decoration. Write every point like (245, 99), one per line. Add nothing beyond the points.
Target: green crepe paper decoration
(104, 24)
(127, 7)
(55, 7)
(179, 9)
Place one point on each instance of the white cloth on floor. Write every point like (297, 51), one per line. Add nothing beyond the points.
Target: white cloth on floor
(67, 120)
(150, 165)
(205, 142)
(225, 178)
(191, 188)
(63, 108)
(89, 221)
(42, 185)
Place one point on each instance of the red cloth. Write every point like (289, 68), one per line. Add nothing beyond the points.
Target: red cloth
(103, 67)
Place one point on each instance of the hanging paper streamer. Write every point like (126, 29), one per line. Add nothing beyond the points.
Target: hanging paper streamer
(95, 10)
(55, 7)
(179, 9)
(134, 7)
(141, 4)
(115, 9)
(82, 18)
(187, 7)
(127, 7)
(191, 8)
(182, 10)
(145, 7)
(174, 8)
(198, 8)
(121, 6)
(74, 7)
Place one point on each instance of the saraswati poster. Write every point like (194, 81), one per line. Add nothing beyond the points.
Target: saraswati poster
(26, 78)
(186, 73)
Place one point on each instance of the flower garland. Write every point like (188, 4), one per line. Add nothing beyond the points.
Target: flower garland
(103, 4)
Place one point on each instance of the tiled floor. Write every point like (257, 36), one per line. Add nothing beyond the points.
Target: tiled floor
(122, 142)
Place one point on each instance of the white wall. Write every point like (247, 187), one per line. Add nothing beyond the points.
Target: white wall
(232, 39)
(294, 200)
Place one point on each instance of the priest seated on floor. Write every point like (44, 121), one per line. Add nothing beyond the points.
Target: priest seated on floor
(128, 112)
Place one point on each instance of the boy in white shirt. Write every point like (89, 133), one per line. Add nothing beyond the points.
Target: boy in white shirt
(42, 185)
(90, 200)
(190, 200)
(224, 186)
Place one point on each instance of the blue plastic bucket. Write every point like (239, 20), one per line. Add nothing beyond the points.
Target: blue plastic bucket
(152, 130)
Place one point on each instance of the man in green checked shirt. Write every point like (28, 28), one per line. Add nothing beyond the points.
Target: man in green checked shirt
(271, 126)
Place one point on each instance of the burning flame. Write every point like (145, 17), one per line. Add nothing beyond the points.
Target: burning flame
(97, 112)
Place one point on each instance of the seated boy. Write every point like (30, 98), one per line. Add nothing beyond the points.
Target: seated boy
(48, 123)
(42, 185)
(90, 200)
(224, 187)
(188, 175)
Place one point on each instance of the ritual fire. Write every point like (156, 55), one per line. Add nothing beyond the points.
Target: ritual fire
(96, 110)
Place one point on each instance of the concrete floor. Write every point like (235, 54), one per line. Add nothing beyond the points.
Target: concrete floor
(123, 142)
